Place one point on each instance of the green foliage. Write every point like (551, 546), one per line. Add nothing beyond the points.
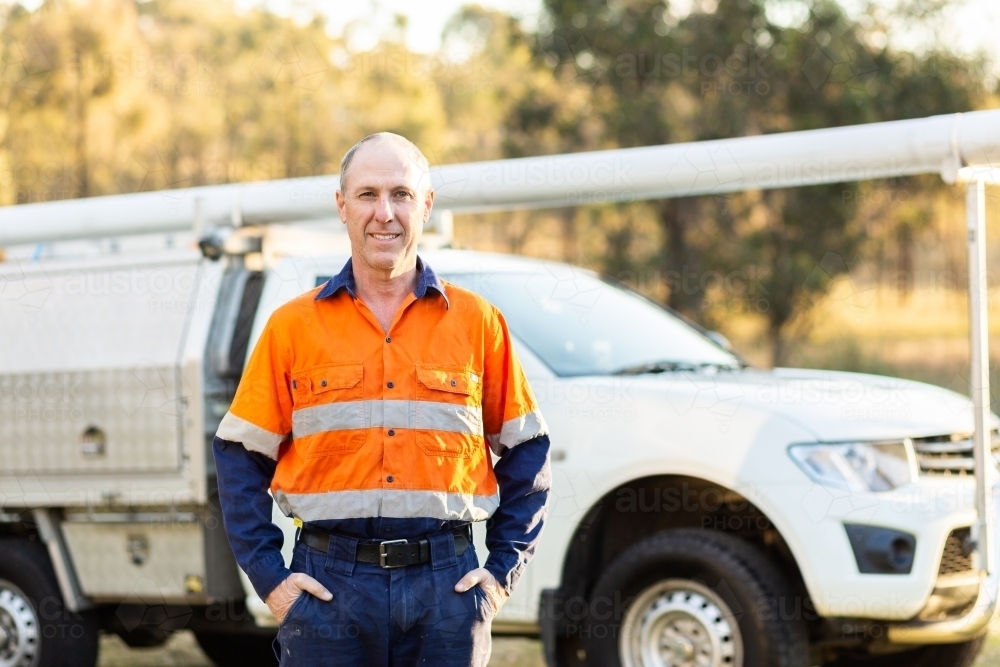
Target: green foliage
(733, 72)
(109, 96)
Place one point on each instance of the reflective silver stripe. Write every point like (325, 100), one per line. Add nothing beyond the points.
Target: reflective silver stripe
(388, 503)
(517, 430)
(253, 437)
(329, 417)
(425, 415)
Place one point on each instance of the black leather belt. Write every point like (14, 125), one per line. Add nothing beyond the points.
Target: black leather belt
(390, 553)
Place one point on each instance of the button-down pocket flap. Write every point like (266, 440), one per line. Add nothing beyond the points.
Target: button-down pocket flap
(334, 377)
(454, 381)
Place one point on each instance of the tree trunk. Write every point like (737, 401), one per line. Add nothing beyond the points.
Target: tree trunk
(679, 262)
(904, 264)
(617, 260)
(777, 344)
(292, 121)
(80, 135)
(516, 230)
(567, 219)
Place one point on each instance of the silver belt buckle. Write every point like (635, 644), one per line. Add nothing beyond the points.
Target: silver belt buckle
(382, 554)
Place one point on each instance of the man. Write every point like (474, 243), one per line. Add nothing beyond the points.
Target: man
(369, 406)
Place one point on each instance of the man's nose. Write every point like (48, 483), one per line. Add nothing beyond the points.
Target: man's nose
(383, 210)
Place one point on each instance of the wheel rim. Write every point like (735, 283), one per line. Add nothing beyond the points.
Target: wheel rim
(18, 628)
(679, 623)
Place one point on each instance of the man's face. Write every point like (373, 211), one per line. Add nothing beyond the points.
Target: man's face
(384, 203)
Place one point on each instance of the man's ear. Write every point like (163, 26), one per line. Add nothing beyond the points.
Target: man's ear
(428, 204)
(341, 203)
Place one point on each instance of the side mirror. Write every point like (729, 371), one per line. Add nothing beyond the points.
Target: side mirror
(227, 241)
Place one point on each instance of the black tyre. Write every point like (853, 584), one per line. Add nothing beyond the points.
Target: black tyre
(943, 655)
(227, 649)
(694, 597)
(36, 630)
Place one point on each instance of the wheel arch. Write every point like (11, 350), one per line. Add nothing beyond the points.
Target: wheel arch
(642, 506)
(635, 509)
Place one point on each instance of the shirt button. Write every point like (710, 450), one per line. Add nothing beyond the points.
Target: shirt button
(390, 385)
(388, 339)
(323, 383)
(453, 383)
(389, 478)
(391, 432)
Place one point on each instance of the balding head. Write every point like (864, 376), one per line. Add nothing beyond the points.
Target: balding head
(385, 197)
(408, 149)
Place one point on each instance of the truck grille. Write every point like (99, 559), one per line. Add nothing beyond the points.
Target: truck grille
(950, 454)
(957, 556)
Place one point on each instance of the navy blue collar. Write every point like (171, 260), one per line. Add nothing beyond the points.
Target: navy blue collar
(426, 279)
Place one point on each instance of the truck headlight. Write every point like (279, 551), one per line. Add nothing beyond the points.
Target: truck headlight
(858, 466)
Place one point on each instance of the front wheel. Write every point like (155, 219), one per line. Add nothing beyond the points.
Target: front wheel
(694, 598)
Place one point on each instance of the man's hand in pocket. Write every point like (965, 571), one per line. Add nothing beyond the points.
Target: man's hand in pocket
(482, 577)
(281, 599)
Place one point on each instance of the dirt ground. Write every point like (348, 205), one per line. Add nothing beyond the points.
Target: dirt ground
(182, 651)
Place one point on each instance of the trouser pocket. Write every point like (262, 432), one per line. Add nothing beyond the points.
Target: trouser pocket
(296, 607)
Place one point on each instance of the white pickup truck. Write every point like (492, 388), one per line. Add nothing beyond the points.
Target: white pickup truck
(703, 512)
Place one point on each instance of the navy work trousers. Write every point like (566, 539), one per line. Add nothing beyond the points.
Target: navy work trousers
(386, 617)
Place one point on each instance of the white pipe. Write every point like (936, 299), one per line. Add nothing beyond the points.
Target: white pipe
(979, 363)
(833, 155)
(988, 174)
(974, 622)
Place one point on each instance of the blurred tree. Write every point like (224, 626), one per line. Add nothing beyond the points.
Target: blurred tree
(526, 109)
(105, 96)
(66, 97)
(727, 69)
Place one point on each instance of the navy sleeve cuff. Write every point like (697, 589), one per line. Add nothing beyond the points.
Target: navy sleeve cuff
(267, 573)
(506, 567)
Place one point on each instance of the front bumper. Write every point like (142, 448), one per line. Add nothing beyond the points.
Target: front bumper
(969, 625)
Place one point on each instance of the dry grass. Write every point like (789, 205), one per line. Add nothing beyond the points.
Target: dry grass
(922, 336)
(991, 656)
(182, 651)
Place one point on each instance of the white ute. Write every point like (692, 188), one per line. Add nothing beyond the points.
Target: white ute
(703, 512)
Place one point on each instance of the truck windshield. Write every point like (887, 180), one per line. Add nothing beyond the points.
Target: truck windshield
(580, 325)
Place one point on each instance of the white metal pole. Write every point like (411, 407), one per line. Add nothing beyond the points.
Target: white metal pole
(783, 160)
(975, 213)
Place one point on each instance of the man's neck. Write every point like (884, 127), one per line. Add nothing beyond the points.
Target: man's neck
(384, 290)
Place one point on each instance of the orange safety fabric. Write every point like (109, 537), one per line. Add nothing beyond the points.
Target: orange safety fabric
(366, 423)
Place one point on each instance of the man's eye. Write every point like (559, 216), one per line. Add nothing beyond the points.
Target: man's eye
(402, 193)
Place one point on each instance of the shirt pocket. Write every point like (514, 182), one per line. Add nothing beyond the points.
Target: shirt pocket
(329, 410)
(448, 414)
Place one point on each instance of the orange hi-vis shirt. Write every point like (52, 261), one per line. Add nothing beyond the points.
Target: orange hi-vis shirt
(364, 423)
